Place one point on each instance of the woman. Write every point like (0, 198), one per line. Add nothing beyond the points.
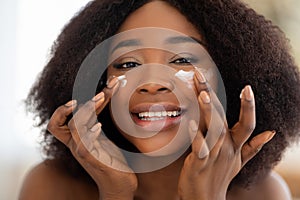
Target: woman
(254, 62)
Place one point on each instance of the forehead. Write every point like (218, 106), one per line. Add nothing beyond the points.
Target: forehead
(154, 38)
(160, 14)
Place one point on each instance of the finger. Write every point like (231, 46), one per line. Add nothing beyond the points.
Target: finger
(214, 122)
(205, 111)
(89, 111)
(251, 148)
(82, 146)
(86, 117)
(199, 147)
(109, 91)
(200, 81)
(57, 124)
(247, 119)
(217, 142)
(109, 154)
(89, 138)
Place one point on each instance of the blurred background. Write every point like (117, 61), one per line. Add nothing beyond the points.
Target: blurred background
(28, 29)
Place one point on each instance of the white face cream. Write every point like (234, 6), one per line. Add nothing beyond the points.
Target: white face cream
(122, 80)
(186, 76)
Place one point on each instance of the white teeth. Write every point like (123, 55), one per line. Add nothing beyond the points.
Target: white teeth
(175, 113)
(159, 114)
(152, 119)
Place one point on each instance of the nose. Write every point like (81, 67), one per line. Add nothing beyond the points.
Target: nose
(154, 88)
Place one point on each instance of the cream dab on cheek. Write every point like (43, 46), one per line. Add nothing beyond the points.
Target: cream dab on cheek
(122, 80)
(186, 76)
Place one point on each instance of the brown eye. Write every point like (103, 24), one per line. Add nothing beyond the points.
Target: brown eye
(126, 65)
(181, 60)
(184, 60)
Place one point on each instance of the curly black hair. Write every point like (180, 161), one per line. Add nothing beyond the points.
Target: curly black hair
(247, 48)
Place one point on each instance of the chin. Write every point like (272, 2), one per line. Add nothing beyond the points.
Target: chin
(164, 143)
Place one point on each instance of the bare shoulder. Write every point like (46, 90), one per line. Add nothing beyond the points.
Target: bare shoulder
(47, 181)
(273, 187)
(276, 187)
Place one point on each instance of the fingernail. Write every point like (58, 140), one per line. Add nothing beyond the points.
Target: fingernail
(96, 127)
(71, 103)
(242, 93)
(204, 151)
(204, 97)
(248, 93)
(112, 82)
(98, 97)
(193, 126)
(270, 136)
(200, 76)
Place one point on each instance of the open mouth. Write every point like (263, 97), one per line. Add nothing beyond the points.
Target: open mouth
(157, 117)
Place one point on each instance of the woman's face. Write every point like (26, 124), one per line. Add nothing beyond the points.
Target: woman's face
(158, 54)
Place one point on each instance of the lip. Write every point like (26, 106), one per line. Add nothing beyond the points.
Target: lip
(161, 123)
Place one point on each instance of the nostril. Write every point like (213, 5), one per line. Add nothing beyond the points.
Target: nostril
(143, 90)
(162, 89)
(153, 88)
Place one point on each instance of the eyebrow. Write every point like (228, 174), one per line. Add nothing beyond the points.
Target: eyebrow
(127, 43)
(170, 40)
(183, 39)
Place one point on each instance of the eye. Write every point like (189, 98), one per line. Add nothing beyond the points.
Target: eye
(184, 60)
(126, 65)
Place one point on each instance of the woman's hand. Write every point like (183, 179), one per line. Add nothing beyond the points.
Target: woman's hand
(216, 159)
(97, 154)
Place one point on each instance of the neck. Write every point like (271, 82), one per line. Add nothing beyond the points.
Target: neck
(162, 183)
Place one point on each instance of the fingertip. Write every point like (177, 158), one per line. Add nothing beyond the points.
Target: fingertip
(247, 93)
(269, 136)
(98, 97)
(193, 128)
(96, 127)
(111, 83)
(71, 104)
(199, 75)
(204, 97)
(204, 152)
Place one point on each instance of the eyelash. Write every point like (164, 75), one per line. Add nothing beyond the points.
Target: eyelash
(184, 61)
(124, 65)
(177, 61)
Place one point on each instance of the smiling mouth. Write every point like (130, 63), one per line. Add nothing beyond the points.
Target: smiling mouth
(157, 117)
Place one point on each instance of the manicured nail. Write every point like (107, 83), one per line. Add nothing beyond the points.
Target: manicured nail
(71, 103)
(242, 93)
(204, 97)
(270, 136)
(112, 82)
(193, 126)
(203, 151)
(98, 97)
(96, 127)
(248, 93)
(200, 76)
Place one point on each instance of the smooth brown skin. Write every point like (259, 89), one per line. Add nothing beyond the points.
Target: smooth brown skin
(190, 177)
